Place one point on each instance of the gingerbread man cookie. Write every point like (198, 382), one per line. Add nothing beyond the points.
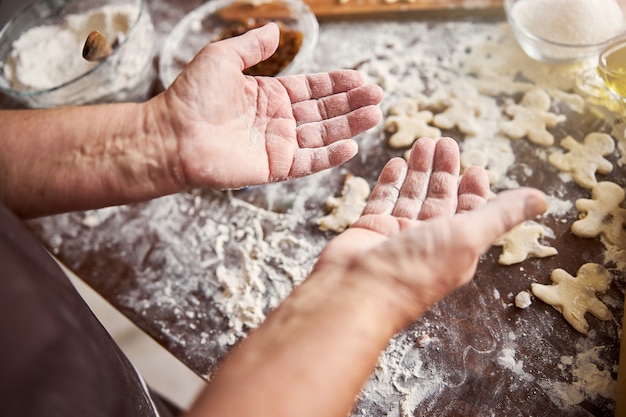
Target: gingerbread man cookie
(407, 124)
(575, 296)
(346, 209)
(531, 118)
(462, 108)
(585, 159)
(478, 158)
(602, 215)
(521, 243)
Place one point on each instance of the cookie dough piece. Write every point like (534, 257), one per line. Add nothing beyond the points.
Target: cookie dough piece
(462, 110)
(346, 209)
(478, 158)
(585, 159)
(407, 124)
(602, 215)
(576, 296)
(531, 118)
(521, 243)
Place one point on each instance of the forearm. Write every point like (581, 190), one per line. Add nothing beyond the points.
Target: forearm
(77, 158)
(310, 358)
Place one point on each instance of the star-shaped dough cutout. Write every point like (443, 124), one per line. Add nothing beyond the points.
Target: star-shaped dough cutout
(576, 296)
(531, 118)
(407, 124)
(521, 243)
(602, 215)
(585, 159)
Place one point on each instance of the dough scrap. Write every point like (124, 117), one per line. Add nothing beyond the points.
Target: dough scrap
(585, 159)
(346, 209)
(521, 243)
(602, 215)
(478, 158)
(407, 124)
(575, 296)
(531, 118)
(462, 108)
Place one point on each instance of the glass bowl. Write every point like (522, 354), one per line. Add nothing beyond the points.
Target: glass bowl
(219, 19)
(565, 34)
(41, 63)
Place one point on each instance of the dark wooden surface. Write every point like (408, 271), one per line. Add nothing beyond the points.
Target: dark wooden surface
(159, 262)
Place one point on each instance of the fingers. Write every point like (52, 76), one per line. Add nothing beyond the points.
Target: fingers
(332, 106)
(510, 208)
(311, 135)
(252, 47)
(309, 161)
(473, 189)
(336, 104)
(314, 86)
(385, 194)
(430, 189)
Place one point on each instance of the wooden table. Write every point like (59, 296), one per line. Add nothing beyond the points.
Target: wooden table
(196, 270)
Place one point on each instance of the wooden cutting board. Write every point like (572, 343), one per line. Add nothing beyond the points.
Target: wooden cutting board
(379, 8)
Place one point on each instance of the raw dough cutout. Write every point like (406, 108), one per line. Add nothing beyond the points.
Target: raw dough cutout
(478, 158)
(575, 296)
(462, 109)
(531, 118)
(585, 159)
(408, 124)
(602, 214)
(521, 243)
(346, 209)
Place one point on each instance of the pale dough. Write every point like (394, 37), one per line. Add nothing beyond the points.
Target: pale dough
(531, 118)
(575, 296)
(521, 243)
(585, 159)
(523, 300)
(602, 215)
(462, 108)
(478, 158)
(407, 124)
(346, 209)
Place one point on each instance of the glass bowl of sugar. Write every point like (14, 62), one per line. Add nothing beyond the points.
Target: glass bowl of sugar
(41, 53)
(564, 31)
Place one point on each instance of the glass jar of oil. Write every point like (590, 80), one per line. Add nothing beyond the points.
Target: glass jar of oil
(612, 67)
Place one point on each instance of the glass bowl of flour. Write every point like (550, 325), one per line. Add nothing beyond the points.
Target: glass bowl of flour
(41, 62)
(564, 31)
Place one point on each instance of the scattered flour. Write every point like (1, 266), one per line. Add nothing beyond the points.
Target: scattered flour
(223, 270)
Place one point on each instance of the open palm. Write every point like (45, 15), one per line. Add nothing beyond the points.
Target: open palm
(256, 130)
(406, 194)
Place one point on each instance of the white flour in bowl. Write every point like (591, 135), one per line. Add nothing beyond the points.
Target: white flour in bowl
(48, 56)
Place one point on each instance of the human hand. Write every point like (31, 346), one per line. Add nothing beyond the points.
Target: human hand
(422, 232)
(232, 130)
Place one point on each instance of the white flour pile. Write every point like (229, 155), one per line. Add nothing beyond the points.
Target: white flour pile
(47, 56)
(579, 22)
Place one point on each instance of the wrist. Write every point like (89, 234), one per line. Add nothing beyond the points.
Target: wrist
(163, 169)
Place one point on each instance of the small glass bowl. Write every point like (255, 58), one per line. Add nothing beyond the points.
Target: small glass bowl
(209, 23)
(127, 74)
(546, 50)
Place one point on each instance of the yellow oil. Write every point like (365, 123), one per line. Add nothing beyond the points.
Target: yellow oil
(612, 69)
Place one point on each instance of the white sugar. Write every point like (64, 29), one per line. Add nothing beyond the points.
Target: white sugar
(579, 22)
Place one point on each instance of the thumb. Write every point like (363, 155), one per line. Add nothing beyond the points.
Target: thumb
(254, 46)
(501, 214)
